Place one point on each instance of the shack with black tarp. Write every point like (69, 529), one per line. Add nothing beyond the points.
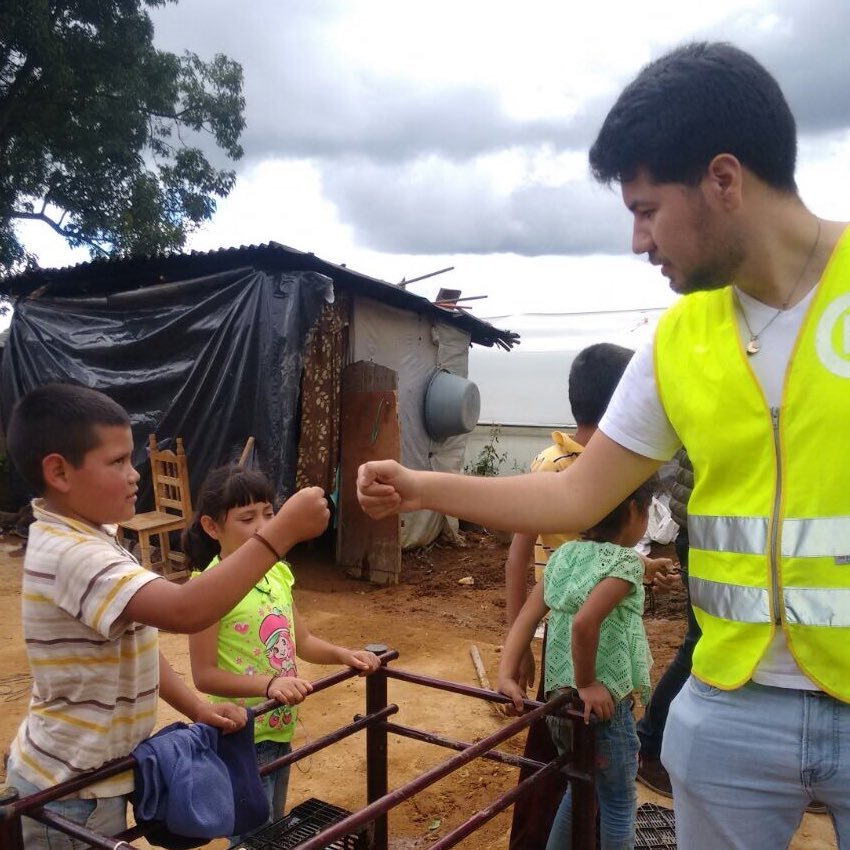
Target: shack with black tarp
(252, 341)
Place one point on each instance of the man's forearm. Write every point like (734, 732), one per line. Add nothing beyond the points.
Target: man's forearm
(569, 502)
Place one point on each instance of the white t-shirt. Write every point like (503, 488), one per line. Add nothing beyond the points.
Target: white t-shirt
(636, 420)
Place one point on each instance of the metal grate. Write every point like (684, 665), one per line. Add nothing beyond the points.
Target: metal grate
(656, 828)
(303, 822)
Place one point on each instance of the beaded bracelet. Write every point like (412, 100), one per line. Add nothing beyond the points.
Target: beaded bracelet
(257, 536)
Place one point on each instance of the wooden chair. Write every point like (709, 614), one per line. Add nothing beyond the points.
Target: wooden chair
(173, 510)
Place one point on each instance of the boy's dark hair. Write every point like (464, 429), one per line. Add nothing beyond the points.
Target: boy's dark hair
(609, 527)
(696, 102)
(224, 488)
(594, 376)
(58, 419)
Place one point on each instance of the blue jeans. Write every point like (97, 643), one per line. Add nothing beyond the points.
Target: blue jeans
(105, 815)
(277, 783)
(650, 727)
(616, 768)
(745, 763)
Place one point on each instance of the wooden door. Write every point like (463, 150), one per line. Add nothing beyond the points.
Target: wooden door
(369, 430)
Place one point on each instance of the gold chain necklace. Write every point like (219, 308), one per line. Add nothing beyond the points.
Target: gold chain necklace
(753, 346)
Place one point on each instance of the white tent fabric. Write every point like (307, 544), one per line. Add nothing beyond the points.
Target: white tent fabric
(414, 346)
(528, 385)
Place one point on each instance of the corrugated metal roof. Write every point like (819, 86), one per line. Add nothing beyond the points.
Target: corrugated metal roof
(107, 275)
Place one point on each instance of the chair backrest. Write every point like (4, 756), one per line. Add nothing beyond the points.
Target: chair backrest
(247, 453)
(170, 479)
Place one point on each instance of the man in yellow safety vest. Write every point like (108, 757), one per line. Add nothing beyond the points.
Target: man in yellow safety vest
(750, 371)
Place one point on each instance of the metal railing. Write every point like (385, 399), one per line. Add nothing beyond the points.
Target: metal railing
(577, 766)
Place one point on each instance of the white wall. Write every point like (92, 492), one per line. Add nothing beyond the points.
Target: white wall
(414, 345)
(520, 444)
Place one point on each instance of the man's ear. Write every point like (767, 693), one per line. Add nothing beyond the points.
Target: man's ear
(724, 179)
(209, 525)
(54, 470)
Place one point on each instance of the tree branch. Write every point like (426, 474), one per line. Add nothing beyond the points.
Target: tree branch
(172, 116)
(64, 232)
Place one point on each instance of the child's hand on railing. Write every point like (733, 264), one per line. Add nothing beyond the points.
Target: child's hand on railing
(289, 690)
(655, 566)
(509, 686)
(226, 716)
(362, 660)
(661, 574)
(597, 701)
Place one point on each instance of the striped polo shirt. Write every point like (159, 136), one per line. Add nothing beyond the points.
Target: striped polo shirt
(95, 675)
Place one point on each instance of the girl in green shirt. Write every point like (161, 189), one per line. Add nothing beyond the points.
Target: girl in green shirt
(597, 647)
(250, 655)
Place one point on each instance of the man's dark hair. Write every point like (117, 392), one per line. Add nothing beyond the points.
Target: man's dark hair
(687, 107)
(58, 419)
(594, 376)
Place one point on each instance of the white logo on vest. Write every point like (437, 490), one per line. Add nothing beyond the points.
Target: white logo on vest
(832, 338)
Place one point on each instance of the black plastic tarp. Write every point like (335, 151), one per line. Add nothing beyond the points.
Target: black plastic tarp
(213, 360)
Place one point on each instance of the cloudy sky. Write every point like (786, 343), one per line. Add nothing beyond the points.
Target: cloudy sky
(401, 138)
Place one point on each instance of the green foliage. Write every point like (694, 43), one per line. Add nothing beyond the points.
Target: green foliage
(102, 136)
(489, 459)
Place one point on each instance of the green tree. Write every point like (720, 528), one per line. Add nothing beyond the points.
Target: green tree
(102, 136)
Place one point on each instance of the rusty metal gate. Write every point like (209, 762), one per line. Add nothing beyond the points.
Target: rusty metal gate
(369, 825)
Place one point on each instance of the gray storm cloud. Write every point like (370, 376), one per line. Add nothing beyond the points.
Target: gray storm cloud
(398, 156)
(432, 209)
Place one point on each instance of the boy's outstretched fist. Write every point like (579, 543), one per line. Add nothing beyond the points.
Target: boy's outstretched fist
(385, 487)
(308, 513)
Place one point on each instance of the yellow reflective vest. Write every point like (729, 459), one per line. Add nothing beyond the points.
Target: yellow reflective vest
(769, 516)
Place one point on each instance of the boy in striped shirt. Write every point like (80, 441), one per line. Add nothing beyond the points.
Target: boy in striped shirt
(91, 613)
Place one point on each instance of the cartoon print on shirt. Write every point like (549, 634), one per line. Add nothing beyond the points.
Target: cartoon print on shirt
(275, 633)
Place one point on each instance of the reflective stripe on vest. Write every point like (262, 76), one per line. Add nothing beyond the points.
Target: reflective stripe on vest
(804, 606)
(818, 537)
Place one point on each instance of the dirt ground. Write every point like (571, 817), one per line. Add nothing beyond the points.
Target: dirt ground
(432, 621)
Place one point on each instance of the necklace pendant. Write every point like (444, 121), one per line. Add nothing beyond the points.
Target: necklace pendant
(753, 346)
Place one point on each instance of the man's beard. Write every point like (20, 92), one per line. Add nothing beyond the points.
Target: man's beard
(707, 278)
(724, 257)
